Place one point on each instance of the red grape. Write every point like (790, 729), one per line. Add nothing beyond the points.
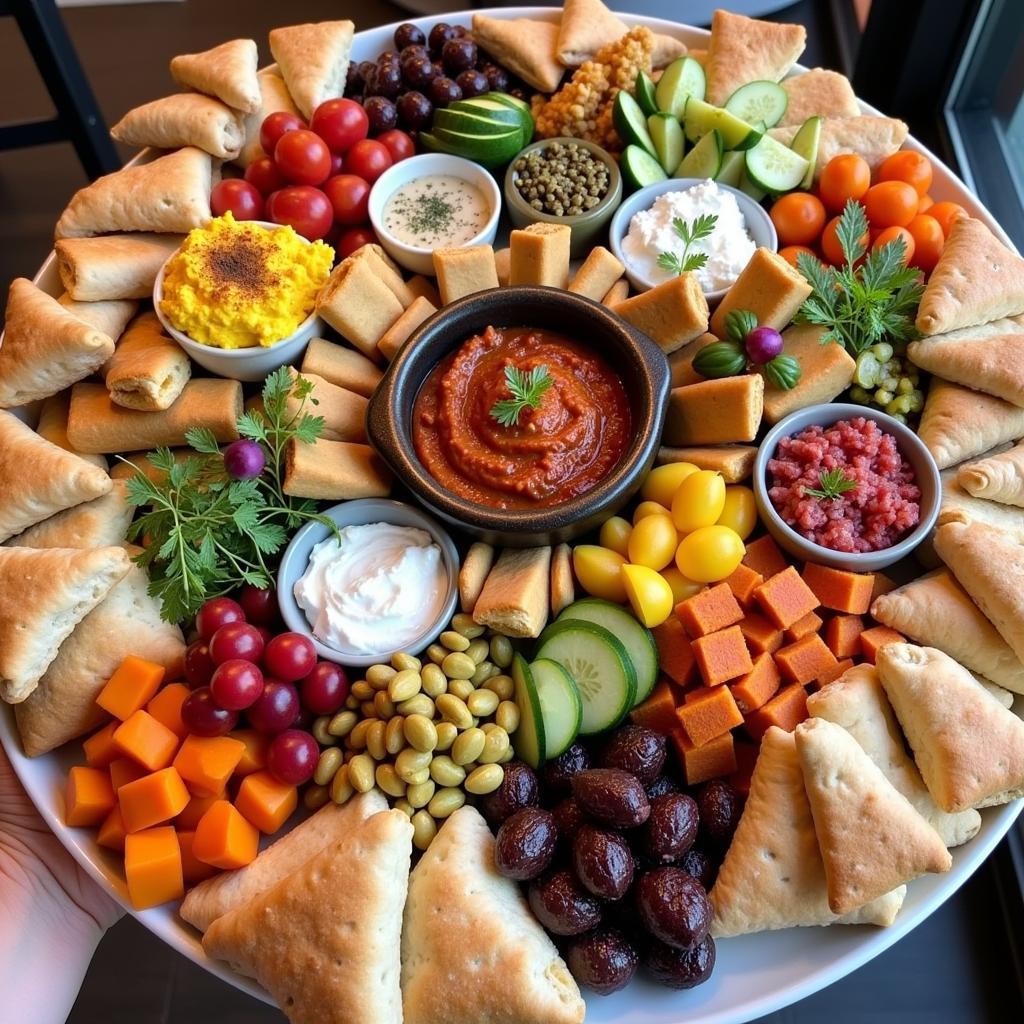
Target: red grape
(292, 757)
(305, 208)
(236, 640)
(266, 633)
(259, 605)
(199, 665)
(290, 656)
(276, 708)
(350, 196)
(341, 123)
(237, 684)
(277, 124)
(264, 175)
(368, 160)
(325, 688)
(763, 344)
(203, 716)
(240, 197)
(244, 459)
(303, 157)
(217, 612)
(399, 144)
(352, 239)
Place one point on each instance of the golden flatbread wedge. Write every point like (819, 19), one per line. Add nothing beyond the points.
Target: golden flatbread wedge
(476, 567)
(957, 423)
(772, 876)
(335, 470)
(461, 911)
(671, 314)
(99, 523)
(227, 72)
(871, 838)
(526, 47)
(113, 266)
(818, 93)
(313, 59)
(666, 49)
(871, 137)
(274, 97)
(997, 478)
(148, 371)
(53, 427)
(585, 27)
(342, 366)
(977, 280)
(857, 702)
(517, 593)
(715, 411)
(343, 411)
(969, 749)
(44, 594)
(324, 942)
(183, 119)
(958, 503)
(110, 317)
(769, 287)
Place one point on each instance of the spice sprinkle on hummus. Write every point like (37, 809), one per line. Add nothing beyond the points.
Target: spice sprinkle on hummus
(237, 284)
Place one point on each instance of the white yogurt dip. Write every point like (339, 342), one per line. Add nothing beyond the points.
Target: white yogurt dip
(436, 210)
(728, 247)
(376, 590)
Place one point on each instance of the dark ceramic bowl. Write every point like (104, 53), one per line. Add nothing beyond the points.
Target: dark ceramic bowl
(641, 364)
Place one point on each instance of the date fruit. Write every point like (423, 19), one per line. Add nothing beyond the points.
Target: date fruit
(603, 862)
(671, 828)
(562, 905)
(611, 796)
(637, 750)
(525, 845)
(518, 789)
(673, 907)
(602, 960)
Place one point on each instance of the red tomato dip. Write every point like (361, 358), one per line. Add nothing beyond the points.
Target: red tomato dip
(880, 507)
(557, 451)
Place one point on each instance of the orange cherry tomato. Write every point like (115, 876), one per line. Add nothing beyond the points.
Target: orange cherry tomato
(888, 234)
(844, 177)
(830, 243)
(945, 213)
(928, 242)
(798, 218)
(925, 203)
(790, 252)
(890, 204)
(909, 167)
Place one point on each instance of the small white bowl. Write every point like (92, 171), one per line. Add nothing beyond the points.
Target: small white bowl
(246, 364)
(417, 258)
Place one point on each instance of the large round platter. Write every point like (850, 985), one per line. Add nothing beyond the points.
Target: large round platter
(754, 975)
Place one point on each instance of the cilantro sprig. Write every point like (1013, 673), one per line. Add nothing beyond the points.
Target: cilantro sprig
(832, 483)
(697, 231)
(526, 388)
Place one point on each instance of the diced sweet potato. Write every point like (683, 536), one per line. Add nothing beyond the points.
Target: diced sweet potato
(89, 796)
(224, 838)
(722, 656)
(100, 748)
(709, 611)
(207, 762)
(758, 686)
(697, 693)
(810, 623)
(265, 802)
(193, 812)
(152, 800)
(125, 770)
(254, 757)
(192, 870)
(874, 639)
(130, 688)
(787, 709)
(833, 673)
(152, 867)
(165, 707)
(842, 634)
(710, 761)
(785, 598)
(705, 719)
(841, 591)
(674, 653)
(804, 661)
(761, 636)
(743, 582)
(146, 740)
(882, 585)
(763, 556)
(746, 758)
(112, 832)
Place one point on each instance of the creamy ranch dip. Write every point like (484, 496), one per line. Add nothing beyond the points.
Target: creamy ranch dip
(436, 210)
(729, 246)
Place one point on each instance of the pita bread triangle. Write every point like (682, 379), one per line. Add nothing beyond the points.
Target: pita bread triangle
(313, 60)
(773, 876)
(586, 26)
(226, 72)
(45, 347)
(93, 524)
(871, 838)
(526, 47)
(325, 940)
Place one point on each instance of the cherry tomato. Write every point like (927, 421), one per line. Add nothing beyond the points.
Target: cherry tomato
(290, 656)
(739, 512)
(599, 571)
(341, 123)
(399, 144)
(798, 218)
(353, 239)
(264, 175)
(887, 235)
(890, 204)
(350, 196)
(945, 213)
(368, 159)
(649, 593)
(830, 243)
(698, 502)
(217, 612)
(614, 536)
(239, 196)
(928, 242)
(305, 208)
(663, 481)
(275, 125)
(682, 588)
(236, 685)
(907, 166)
(337, 164)
(709, 554)
(790, 253)
(925, 203)
(653, 542)
(844, 177)
(303, 157)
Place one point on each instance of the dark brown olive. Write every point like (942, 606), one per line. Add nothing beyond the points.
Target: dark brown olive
(418, 72)
(408, 34)
(602, 960)
(720, 807)
(458, 55)
(696, 862)
(497, 77)
(472, 82)
(414, 110)
(661, 785)
(671, 828)
(603, 862)
(559, 771)
(681, 968)
(611, 797)
(673, 906)
(440, 34)
(444, 91)
(525, 845)
(562, 905)
(637, 750)
(519, 788)
(568, 818)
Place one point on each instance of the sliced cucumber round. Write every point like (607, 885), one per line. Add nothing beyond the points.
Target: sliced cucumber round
(774, 167)
(639, 168)
(705, 159)
(630, 122)
(560, 705)
(645, 94)
(759, 101)
(667, 136)
(684, 77)
(600, 666)
(731, 171)
(701, 118)
(529, 739)
(805, 143)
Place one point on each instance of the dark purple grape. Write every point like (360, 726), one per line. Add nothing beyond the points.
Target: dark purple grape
(324, 690)
(518, 789)
(413, 51)
(697, 863)
(444, 91)
(611, 797)
(472, 82)
(276, 708)
(525, 844)
(366, 68)
(673, 906)
(387, 58)
(602, 960)
(680, 968)
(637, 750)
(382, 114)
(661, 785)
(244, 459)
(562, 905)
(603, 862)
(354, 79)
(408, 34)
(763, 344)
(385, 80)
(439, 35)
(569, 819)
(720, 807)
(292, 757)
(458, 55)
(460, 31)
(558, 772)
(414, 110)
(672, 827)
(203, 716)
(497, 77)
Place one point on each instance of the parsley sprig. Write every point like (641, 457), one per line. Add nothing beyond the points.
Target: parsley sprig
(861, 305)
(684, 262)
(832, 483)
(527, 389)
(206, 533)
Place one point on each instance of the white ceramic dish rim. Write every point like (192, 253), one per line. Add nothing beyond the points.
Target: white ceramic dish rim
(742, 987)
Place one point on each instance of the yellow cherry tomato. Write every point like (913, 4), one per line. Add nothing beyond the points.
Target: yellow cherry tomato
(599, 572)
(663, 481)
(699, 500)
(649, 594)
(614, 534)
(653, 541)
(648, 508)
(709, 554)
(740, 511)
(682, 588)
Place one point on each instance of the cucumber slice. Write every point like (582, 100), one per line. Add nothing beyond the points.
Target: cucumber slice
(701, 118)
(529, 739)
(639, 168)
(774, 167)
(805, 142)
(731, 170)
(630, 122)
(759, 101)
(645, 94)
(705, 159)
(481, 106)
(601, 667)
(488, 150)
(667, 136)
(682, 78)
(477, 124)
(560, 705)
(637, 639)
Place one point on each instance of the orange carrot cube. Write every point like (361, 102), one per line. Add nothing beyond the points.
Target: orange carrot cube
(254, 757)
(810, 623)
(743, 582)
(697, 693)
(224, 838)
(265, 802)
(658, 712)
(89, 797)
(152, 867)
(874, 639)
(804, 661)
(130, 688)
(841, 591)
(760, 635)
(763, 556)
(165, 707)
(785, 598)
(833, 673)
(112, 832)
(722, 656)
(207, 762)
(193, 870)
(190, 816)
(758, 686)
(152, 800)
(146, 740)
(712, 760)
(705, 719)
(709, 611)
(675, 655)
(99, 748)
(787, 709)
(125, 770)
(842, 634)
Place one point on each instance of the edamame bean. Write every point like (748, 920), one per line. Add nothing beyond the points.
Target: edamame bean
(424, 829)
(361, 771)
(384, 705)
(420, 794)
(362, 690)
(447, 734)
(421, 704)
(410, 762)
(507, 756)
(458, 666)
(378, 676)
(330, 761)
(394, 736)
(502, 686)
(375, 740)
(401, 662)
(434, 681)
(501, 651)
(421, 732)
(453, 641)
(468, 746)
(445, 802)
(462, 688)
(402, 804)
(342, 723)
(341, 785)
(482, 703)
(495, 744)
(464, 624)
(388, 780)
(486, 779)
(404, 685)
(436, 653)
(507, 716)
(454, 710)
(320, 733)
(445, 772)
(357, 737)
(315, 797)
(478, 651)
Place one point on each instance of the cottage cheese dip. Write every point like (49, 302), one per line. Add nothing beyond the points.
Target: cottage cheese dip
(374, 590)
(729, 246)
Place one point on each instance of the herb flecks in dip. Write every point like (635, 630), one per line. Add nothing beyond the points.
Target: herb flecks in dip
(845, 487)
(554, 451)
(436, 210)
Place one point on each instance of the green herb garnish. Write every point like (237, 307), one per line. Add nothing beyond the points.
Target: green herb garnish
(526, 388)
(832, 484)
(433, 215)
(860, 306)
(682, 263)
(207, 533)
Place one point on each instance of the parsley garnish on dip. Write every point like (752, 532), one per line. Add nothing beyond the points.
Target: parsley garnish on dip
(436, 210)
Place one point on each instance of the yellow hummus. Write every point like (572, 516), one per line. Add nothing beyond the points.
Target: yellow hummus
(236, 284)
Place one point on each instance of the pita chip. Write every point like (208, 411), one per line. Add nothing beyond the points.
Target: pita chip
(666, 49)
(230, 890)
(113, 266)
(746, 49)
(586, 26)
(818, 92)
(873, 138)
(527, 48)
(313, 60)
(44, 594)
(227, 72)
(969, 748)
(168, 194)
(462, 911)
(871, 838)
(99, 523)
(997, 478)
(109, 316)
(184, 119)
(772, 876)
(857, 702)
(324, 942)
(53, 427)
(960, 504)
(274, 96)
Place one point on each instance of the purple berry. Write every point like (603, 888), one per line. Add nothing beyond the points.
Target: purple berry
(763, 344)
(244, 459)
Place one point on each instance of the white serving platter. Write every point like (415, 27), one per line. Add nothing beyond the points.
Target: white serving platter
(754, 975)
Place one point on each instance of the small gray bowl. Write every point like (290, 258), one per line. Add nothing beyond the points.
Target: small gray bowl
(359, 513)
(759, 224)
(912, 449)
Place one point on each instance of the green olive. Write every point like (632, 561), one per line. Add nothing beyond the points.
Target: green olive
(421, 733)
(501, 651)
(453, 641)
(883, 397)
(486, 779)
(445, 802)
(468, 746)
